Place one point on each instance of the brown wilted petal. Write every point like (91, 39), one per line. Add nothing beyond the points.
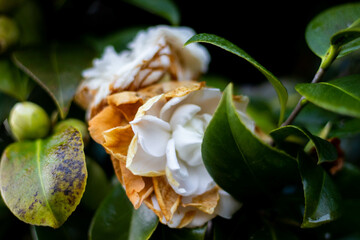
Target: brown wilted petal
(108, 118)
(137, 188)
(188, 217)
(167, 198)
(183, 89)
(205, 202)
(117, 140)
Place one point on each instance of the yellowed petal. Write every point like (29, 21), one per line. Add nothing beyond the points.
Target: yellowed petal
(188, 217)
(108, 118)
(205, 202)
(183, 89)
(167, 198)
(137, 188)
(117, 140)
(117, 168)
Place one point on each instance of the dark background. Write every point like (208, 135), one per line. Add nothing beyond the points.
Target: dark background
(271, 32)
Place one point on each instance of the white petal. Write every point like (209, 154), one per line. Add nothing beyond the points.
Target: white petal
(206, 98)
(185, 180)
(188, 145)
(169, 107)
(183, 114)
(175, 171)
(227, 205)
(200, 219)
(141, 163)
(249, 124)
(153, 134)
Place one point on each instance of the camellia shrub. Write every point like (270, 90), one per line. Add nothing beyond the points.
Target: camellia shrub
(129, 136)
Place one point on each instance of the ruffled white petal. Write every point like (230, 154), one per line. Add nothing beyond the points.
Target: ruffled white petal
(141, 163)
(153, 134)
(152, 54)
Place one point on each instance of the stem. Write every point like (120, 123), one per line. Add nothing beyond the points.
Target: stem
(325, 64)
(302, 102)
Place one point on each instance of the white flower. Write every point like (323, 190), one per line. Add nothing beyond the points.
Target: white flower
(169, 129)
(152, 55)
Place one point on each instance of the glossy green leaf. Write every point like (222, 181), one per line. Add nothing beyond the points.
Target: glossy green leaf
(184, 233)
(238, 161)
(325, 150)
(329, 24)
(116, 218)
(347, 35)
(341, 95)
(322, 199)
(166, 9)
(13, 81)
(43, 181)
(57, 69)
(119, 40)
(228, 46)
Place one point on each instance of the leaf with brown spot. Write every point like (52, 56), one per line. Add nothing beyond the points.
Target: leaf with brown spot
(43, 181)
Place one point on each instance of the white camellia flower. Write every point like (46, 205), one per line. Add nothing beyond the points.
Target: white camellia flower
(168, 132)
(152, 55)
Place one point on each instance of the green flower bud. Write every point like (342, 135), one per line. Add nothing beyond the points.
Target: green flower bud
(28, 120)
(9, 33)
(76, 123)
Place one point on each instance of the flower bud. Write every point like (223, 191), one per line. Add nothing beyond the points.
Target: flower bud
(76, 123)
(9, 33)
(28, 121)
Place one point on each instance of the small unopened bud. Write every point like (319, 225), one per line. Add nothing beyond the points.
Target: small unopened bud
(76, 123)
(9, 33)
(28, 120)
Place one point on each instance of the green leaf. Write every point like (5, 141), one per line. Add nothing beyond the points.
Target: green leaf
(347, 35)
(325, 150)
(119, 40)
(347, 181)
(57, 69)
(184, 233)
(341, 95)
(163, 8)
(97, 185)
(238, 161)
(43, 181)
(228, 46)
(346, 128)
(6, 103)
(332, 25)
(13, 81)
(29, 17)
(322, 199)
(116, 218)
